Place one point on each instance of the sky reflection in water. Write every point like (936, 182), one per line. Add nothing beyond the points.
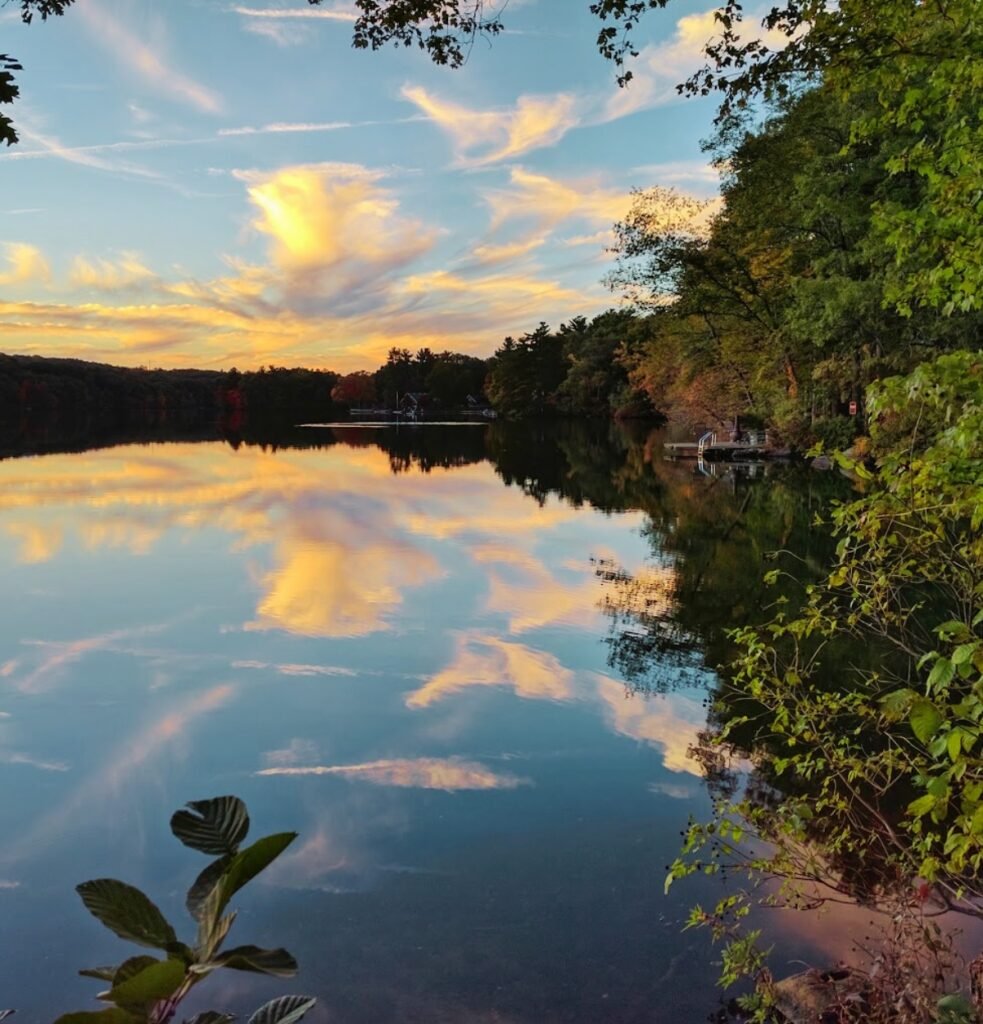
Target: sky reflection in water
(406, 668)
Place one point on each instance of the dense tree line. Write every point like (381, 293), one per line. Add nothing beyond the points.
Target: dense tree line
(35, 389)
(784, 305)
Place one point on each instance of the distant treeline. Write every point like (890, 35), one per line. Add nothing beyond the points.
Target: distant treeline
(93, 397)
(580, 370)
(575, 371)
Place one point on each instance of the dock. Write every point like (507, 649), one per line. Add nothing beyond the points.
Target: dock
(755, 446)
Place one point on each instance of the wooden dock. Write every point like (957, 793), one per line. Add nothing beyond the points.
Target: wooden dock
(754, 447)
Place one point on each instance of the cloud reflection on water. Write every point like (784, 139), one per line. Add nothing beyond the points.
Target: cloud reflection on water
(342, 549)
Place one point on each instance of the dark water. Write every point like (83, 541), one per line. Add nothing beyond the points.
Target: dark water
(466, 664)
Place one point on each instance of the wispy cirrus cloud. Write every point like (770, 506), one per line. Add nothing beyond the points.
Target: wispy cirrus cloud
(125, 272)
(289, 26)
(482, 137)
(449, 774)
(148, 64)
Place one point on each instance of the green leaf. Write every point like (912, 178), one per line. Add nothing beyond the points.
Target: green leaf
(925, 719)
(132, 967)
(285, 1010)
(941, 674)
(954, 744)
(155, 981)
(277, 962)
(921, 806)
(248, 863)
(215, 826)
(963, 653)
(102, 973)
(211, 1017)
(126, 911)
(203, 885)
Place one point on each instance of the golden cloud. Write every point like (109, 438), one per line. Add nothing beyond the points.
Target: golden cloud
(448, 774)
(487, 660)
(329, 587)
(534, 122)
(110, 275)
(670, 722)
(25, 263)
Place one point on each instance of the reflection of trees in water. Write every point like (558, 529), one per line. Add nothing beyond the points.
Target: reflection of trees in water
(716, 539)
(647, 645)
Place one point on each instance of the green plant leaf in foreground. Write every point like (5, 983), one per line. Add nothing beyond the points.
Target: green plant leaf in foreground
(285, 1010)
(262, 961)
(126, 911)
(245, 866)
(111, 1015)
(157, 980)
(211, 1017)
(215, 826)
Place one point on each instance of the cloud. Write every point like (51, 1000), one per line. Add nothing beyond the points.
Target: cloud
(33, 762)
(481, 137)
(119, 769)
(333, 228)
(671, 722)
(551, 202)
(486, 660)
(144, 61)
(343, 12)
(296, 752)
(341, 570)
(348, 275)
(448, 774)
(25, 263)
(109, 275)
(296, 670)
(37, 543)
(286, 127)
(660, 67)
(64, 654)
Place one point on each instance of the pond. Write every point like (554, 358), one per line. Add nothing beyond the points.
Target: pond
(467, 664)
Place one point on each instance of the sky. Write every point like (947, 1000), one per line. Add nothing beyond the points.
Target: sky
(217, 184)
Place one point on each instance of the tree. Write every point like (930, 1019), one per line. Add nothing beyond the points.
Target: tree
(355, 389)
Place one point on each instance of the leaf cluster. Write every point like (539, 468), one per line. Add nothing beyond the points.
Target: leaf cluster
(147, 989)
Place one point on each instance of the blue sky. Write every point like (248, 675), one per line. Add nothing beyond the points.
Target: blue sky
(217, 184)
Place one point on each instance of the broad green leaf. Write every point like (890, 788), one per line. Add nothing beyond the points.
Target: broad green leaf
(247, 864)
(212, 929)
(111, 1015)
(963, 653)
(211, 1017)
(102, 973)
(126, 911)
(132, 967)
(925, 719)
(156, 981)
(921, 806)
(954, 744)
(262, 961)
(941, 674)
(215, 826)
(285, 1010)
(203, 885)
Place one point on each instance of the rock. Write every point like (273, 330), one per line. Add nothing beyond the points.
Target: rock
(818, 997)
(822, 462)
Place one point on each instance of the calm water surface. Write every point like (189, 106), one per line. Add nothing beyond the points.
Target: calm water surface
(466, 664)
